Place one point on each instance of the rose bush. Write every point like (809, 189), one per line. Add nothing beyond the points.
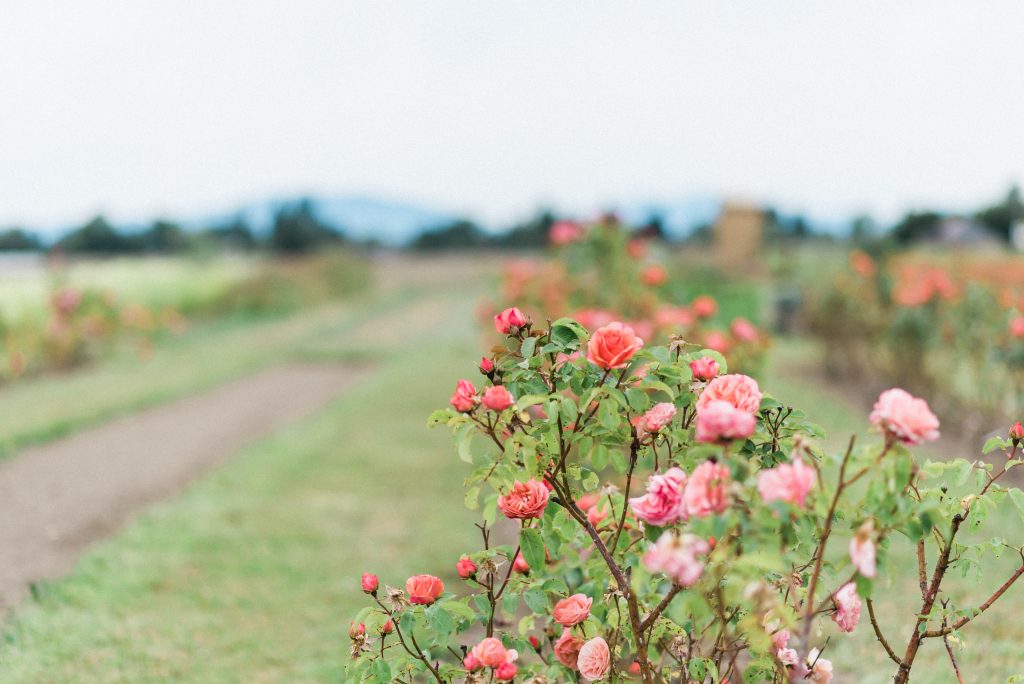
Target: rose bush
(617, 541)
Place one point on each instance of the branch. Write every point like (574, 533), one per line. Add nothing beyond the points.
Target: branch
(981, 609)
(660, 608)
(878, 632)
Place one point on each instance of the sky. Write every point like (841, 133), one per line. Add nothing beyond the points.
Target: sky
(490, 109)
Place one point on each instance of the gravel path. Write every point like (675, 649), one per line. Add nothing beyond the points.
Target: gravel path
(57, 499)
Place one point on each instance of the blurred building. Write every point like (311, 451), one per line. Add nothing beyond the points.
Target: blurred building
(739, 234)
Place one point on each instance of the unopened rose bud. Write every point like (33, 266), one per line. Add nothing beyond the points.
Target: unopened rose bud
(387, 628)
(1017, 432)
(634, 668)
(506, 672)
(509, 321)
(519, 565)
(535, 642)
(471, 663)
(355, 631)
(486, 365)
(370, 583)
(704, 369)
(465, 567)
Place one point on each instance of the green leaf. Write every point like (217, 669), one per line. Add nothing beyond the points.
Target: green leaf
(381, 671)
(529, 344)
(536, 600)
(1017, 497)
(994, 443)
(440, 620)
(532, 547)
(457, 609)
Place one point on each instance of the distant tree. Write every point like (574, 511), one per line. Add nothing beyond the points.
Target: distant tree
(98, 237)
(235, 235)
(17, 240)
(916, 226)
(532, 233)
(1000, 218)
(863, 230)
(461, 234)
(653, 228)
(297, 230)
(164, 237)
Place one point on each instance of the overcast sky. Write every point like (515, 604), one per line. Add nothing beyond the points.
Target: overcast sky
(137, 107)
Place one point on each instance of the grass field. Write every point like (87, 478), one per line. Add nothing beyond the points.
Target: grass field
(252, 574)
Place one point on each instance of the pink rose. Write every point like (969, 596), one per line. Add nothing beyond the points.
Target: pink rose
(613, 346)
(676, 556)
(720, 421)
(654, 275)
(789, 482)
(497, 398)
(663, 503)
(465, 567)
(788, 656)
(704, 307)
(905, 417)
(704, 368)
(1016, 432)
(592, 319)
(862, 549)
(505, 672)
(820, 669)
(1017, 326)
(657, 417)
(369, 583)
(565, 232)
(781, 639)
(594, 660)
(471, 663)
(673, 317)
(424, 589)
(743, 330)
(525, 500)
(847, 613)
(573, 610)
(567, 649)
(739, 390)
(509, 319)
(707, 490)
(465, 397)
(356, 630)
(486, 365)
(490, 652)
(717, 340)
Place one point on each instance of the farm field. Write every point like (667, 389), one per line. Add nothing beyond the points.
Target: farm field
(251, 574)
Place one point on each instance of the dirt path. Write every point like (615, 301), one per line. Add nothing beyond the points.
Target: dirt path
(57, 499)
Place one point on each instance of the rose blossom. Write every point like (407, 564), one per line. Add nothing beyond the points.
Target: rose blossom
(565, 232)
(657, 417)
(613, 346)
(567, 649)
(370, 582)
(717, 340)
(592, 319)
(519, 564)
(821, 669)
(787, 656)
(707, 490)
(505, 672)
(704, 307)
(465, 397)
(847, 613)
(424, 589)
(490, 652)
(573, 610)
(356, 630)
(1017, 326)
(789, 482)
(1017, 432)
(743, 330)
(663, 503)
(781, 638)
(704, 368)
(465, 567)
(905, 417)
(387, 628)
(497, 398)
(654, 275)
(594, 660)
(525, 500)
(676, 557)
(508, 319)
(471, 663)
(486, 365)
(862, 549)
(739, 390)
(720, 421)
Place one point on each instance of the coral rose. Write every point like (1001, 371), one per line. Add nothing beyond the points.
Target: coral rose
(707, 490)
(567, 649)
(497, 398)
(613, 346)
(595, 660)
(465, 567)
(424, 589)
(573, 610)
(1017, 326)
(654, 275)
(508, 320)
(847, 613)
(739, 390)
(471, 663)
(663, 503)
(789, 482)
(720, 421)
(704, 307)
(676, 556)
(905, 417)
(704, 368)
(370, 582)
(490, 652)
(862, 549)
(525, 500)
(464, 398)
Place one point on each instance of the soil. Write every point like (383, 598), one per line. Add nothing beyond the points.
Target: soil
(59, 498)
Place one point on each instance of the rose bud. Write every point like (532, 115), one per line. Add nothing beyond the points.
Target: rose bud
(535, 642)
(497, 398)
(486, 365)
(1017, 432)
(519, 565)
(634, 668)
(356, 630)
(388, 627)
(509, 321)
(370, 583)
(506, 672)
(465, 567)
(705, 368)
(464, 398)
(471, 663)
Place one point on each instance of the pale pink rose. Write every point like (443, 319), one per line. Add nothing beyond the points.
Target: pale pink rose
(717, 340)
(424, 589)
(663, 503)
(497, 398)
(594, 660)
(676, 556)
(565, 232)
(847, 613)
(613, 346)
(508, 319)
(905, 417)
(1017, 326)
(720, 421)
(704, 368)
(596, 515)
(464, 398)
(789, 482)
(567, 649)
(707, 489)
(525, 500)
(788, 656)
(490, 652)
(862, 549)
(657, 417)
(704, 307)
(781, 638)
(820, 669)
(573, 610)
(739, 390)
(743, 330)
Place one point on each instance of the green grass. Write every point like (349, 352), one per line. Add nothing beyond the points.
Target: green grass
(252, 575)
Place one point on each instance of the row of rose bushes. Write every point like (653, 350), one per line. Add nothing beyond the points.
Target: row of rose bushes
(600, 272)
(953, 330)
(647, 514)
